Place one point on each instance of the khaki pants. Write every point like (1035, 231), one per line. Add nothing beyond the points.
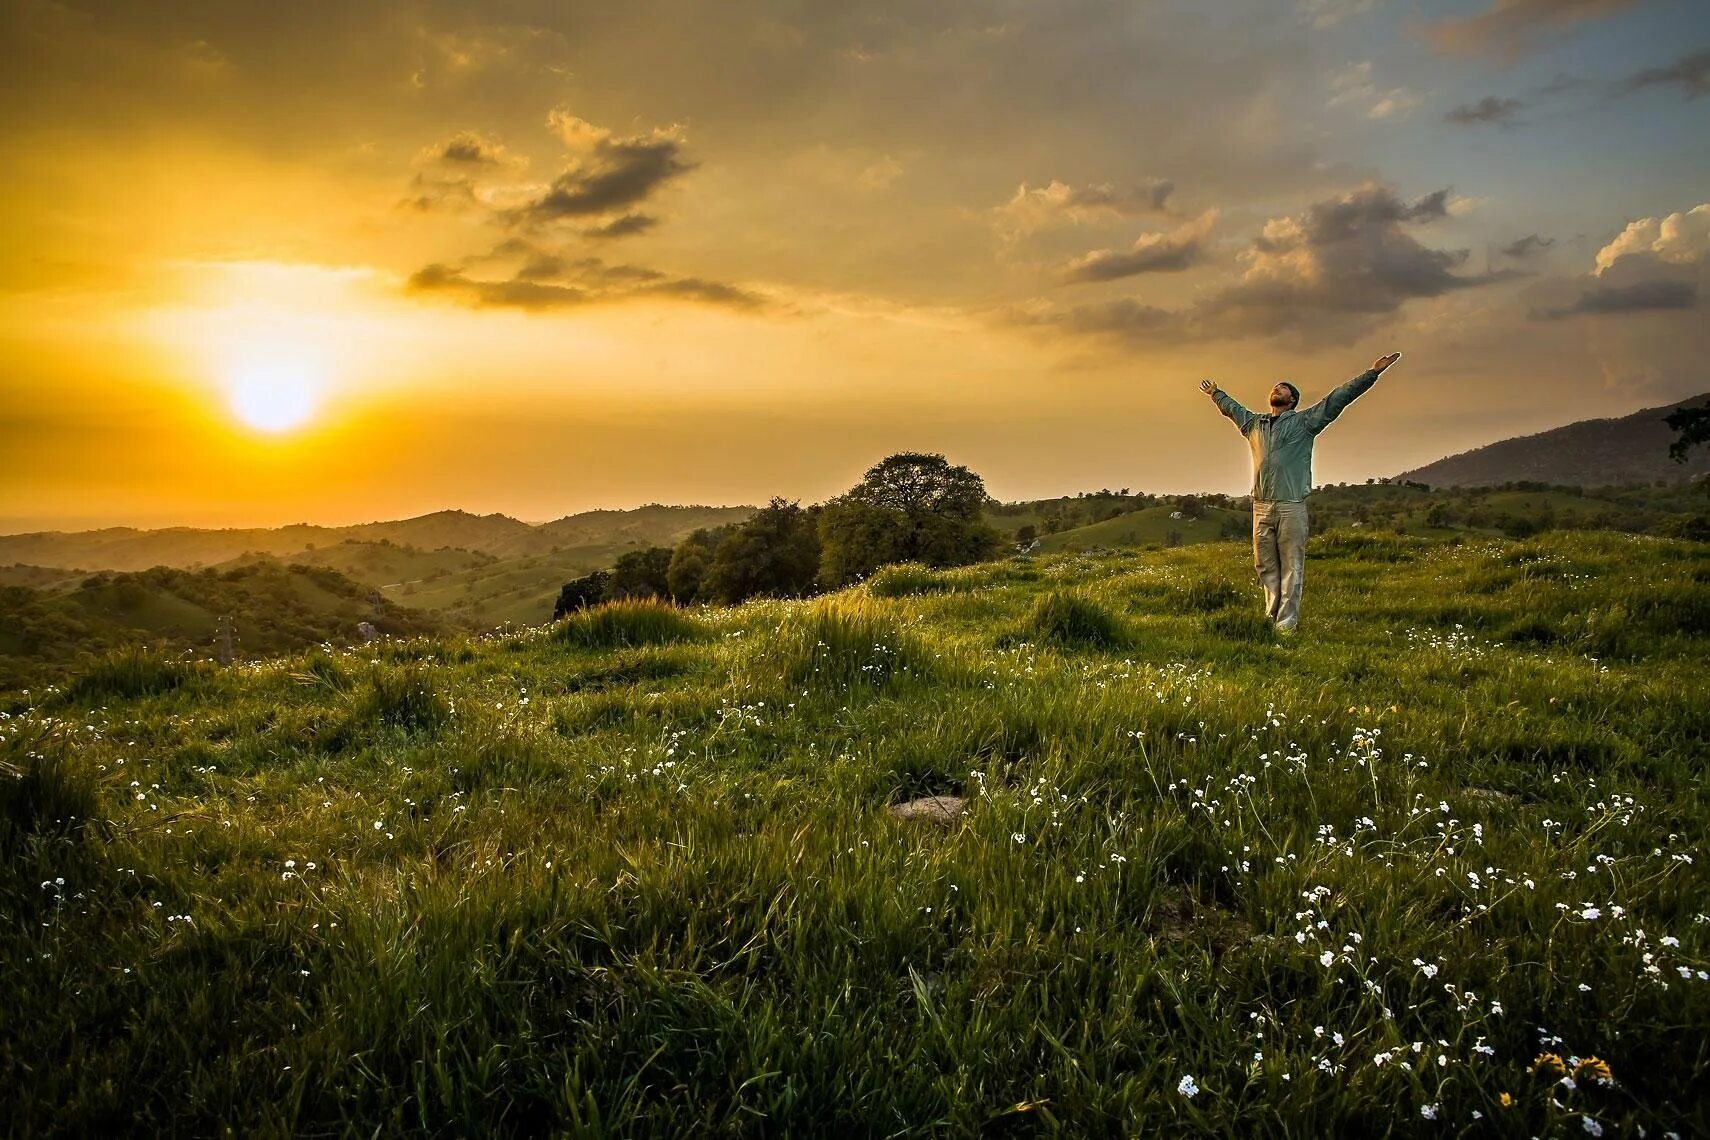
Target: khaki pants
(1279, 557)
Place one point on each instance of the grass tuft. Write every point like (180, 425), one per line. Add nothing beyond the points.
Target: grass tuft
(841, 643)
(630, 621)
(1063, 617)
(126, 674)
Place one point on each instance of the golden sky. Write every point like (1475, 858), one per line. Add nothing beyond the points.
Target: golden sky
(331, 263)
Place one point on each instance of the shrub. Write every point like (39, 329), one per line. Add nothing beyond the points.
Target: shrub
(633, 621)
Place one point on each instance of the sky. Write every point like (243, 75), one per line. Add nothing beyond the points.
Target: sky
(336, 262)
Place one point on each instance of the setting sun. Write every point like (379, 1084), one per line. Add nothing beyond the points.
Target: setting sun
(274, 397)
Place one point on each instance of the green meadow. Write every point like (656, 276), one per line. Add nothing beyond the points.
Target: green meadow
(1433, 865)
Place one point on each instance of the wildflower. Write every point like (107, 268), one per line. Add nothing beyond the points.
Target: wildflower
(1187, 1087)
(1591, 1126)
(1594, 1068)
(1548, 1065)
(1506, 1100)
(1428, 1111)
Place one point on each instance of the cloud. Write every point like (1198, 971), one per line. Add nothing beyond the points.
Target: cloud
(1031, 208)
(1692, 72)
(1353, 87)
(1681, 238)
(880, 174)
(1334, 270)
(608, 174)
(1653, 265)
(625, 226)
(1640, 297)
(469, 149)
(1529, 246)
(1511, 28)
(1329, 13)
(550, 282)
(1154, 252)
(1490, 109)
(1326, 275)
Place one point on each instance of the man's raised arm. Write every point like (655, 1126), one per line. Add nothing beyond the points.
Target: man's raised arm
(1319, 416)
(1228, 405)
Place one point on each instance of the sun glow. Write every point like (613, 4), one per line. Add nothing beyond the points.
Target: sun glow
(275, 396)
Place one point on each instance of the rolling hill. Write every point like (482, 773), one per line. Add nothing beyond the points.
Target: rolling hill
(1590, 453)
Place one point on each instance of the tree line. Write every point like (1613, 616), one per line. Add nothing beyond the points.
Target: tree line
(908, 507)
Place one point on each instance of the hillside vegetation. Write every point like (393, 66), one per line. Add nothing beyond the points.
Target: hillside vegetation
(46, 633)
(635, 874)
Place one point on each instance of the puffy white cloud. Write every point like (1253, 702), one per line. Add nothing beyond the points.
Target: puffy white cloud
(1681, 237)
(1170, 250)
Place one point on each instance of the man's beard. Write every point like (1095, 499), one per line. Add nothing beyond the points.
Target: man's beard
(1282, 407)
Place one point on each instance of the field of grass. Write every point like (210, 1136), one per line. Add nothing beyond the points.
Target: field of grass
(1433, 865)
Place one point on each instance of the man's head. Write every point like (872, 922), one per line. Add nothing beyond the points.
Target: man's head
(1284, 396)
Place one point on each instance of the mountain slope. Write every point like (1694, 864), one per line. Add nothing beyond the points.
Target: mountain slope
(1590, 453)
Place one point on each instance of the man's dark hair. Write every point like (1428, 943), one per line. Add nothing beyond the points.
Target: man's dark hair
(1292, 390)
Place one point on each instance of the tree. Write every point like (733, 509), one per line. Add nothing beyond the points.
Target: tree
(1693, 428)
(908, 507)
(689, 562)
(1026, 534)
(641, 573)
(775, 552)
(576, 594)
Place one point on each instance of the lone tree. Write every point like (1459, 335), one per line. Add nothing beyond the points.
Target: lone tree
(909, 507)
(1693, 424)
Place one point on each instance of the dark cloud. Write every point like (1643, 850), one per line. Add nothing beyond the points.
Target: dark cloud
(1692, 72)
(1152, 253)
(550, 282)
(466, 148)
(625, 226)
(1490, 109)
(1510, 28)
(1639, 297)
(609, 173)
(1528, 246)
(1324, 276)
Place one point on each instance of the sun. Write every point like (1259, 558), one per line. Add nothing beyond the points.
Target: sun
(275, 396)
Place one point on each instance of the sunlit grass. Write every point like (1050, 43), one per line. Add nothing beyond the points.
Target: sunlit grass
(639, 878)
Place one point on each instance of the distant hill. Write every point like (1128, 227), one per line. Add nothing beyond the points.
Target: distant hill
(127, 548)
(275, 609)
(1590, 453)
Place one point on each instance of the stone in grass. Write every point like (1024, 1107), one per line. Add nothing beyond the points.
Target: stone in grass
(936, 809)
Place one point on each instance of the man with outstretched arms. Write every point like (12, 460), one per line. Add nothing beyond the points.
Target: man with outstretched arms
(1282, 475)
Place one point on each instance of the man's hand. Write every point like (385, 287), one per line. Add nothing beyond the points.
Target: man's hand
(1383, 362)
(1207, 386)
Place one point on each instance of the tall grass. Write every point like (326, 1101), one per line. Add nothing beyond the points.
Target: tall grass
(631, 621)
(1396, 875)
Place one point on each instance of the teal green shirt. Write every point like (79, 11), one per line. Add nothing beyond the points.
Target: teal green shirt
(1282, 443)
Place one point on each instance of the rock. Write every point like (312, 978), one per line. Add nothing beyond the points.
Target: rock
(367, 631)
(937, 809)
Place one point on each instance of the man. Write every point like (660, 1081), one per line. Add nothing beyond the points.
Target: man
(1282, 475)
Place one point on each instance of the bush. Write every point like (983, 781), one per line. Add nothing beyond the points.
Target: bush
(1065, 618)
(633, 621)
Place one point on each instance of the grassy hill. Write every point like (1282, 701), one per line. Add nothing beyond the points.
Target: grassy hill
(126, 548)
(46, 633)
(635, 873)
(1628, 449)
